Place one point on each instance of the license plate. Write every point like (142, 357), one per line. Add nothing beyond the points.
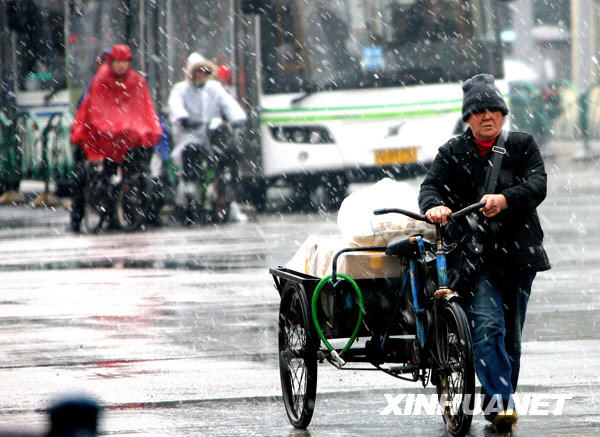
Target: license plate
(395, 156)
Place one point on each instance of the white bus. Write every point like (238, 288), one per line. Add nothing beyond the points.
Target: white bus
(352, 89)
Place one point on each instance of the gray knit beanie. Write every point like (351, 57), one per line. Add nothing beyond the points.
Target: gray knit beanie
(480, 93)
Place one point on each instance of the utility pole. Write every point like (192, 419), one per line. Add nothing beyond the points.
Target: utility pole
(523, 23)
(581, 63)
(581, 48)
(8, 83)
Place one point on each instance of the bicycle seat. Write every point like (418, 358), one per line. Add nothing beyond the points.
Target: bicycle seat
(399, 246)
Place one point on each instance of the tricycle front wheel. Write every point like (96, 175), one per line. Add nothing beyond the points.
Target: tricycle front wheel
(455, 377)
(297, 356)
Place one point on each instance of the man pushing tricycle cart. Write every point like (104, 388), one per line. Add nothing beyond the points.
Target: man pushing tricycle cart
(429, 305)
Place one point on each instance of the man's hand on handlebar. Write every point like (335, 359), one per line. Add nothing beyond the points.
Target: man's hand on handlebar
(438, 214)
(494, 203)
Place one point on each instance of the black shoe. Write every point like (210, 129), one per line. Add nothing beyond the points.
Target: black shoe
(75, 227)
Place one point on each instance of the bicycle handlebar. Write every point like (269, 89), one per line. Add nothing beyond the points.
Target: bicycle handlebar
(455, 215)
(410, 214)
(467, 210)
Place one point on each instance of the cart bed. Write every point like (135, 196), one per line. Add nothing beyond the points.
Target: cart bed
(337, 307)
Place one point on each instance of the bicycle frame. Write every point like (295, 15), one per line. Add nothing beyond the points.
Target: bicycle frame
(414, 284)
(419, 253)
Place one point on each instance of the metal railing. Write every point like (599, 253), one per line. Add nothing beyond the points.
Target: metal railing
(10, 159)
(57, 152)
(29, 150)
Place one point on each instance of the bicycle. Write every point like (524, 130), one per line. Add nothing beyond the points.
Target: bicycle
(216, 168)
(119, 196)
(421, 335)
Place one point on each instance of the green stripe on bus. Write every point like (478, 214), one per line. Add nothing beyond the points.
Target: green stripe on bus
(363, 116)
(354, 108)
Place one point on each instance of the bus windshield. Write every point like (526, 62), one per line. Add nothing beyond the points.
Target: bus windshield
(349, 44)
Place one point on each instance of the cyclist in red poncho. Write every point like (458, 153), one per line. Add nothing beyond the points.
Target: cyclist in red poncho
(116, 121)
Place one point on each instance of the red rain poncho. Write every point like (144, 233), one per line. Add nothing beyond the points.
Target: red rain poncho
(116, 115)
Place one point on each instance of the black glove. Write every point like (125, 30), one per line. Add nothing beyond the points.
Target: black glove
(189, 124)
(238, 124)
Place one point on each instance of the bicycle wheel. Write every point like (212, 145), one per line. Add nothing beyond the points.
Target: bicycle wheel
(297, 356)
(132, 202)
(96, 206)
(456, 375)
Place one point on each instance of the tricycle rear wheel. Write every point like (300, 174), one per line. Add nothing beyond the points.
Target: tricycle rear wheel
(297, 355)
(455, 377)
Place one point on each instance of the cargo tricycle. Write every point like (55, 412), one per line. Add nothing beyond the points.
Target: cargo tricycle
(410, 326)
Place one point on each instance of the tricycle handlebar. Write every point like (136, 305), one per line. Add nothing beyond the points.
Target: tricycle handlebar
(467, 210)
(455, 215)
(410, 214)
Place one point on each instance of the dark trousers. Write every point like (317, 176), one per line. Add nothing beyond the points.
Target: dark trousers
(496, 316)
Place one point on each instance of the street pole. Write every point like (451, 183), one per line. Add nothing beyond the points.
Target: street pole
(581, 63)
(170, 29)
(8, 103)
(523, 22)
(247, 61)
(247, 55)
(9, 165)
(581, 49)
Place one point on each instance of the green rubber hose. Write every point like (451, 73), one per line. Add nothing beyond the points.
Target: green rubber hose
(314, 311)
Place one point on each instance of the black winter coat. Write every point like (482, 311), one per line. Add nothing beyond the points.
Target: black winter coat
(455, 178)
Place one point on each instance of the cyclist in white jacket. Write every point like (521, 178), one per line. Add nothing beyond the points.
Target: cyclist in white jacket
(193, 103)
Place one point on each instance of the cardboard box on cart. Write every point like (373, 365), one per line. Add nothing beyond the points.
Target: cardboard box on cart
(315, 257)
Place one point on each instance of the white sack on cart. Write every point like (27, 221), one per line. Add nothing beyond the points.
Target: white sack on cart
(357, 222)
(315, 256)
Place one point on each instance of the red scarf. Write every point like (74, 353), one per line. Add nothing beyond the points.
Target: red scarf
(484, 147)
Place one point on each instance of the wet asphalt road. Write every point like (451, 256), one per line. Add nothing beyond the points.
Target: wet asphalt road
(173, 330)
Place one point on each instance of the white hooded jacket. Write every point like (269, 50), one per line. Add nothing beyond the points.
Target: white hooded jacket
(199, 104)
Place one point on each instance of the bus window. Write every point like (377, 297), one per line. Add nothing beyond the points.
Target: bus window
(283, 48)
(345, 44)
